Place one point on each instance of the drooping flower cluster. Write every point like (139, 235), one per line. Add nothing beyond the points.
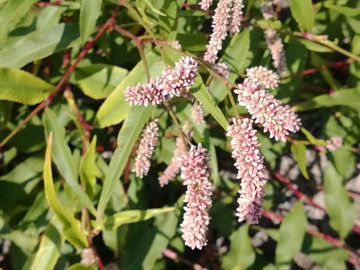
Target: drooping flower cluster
(279, 120)
(276, 48)
(174, 165)
(227, 17)
(205, 4)
(334, 143)
(172, 82)
(262, 77)
(149, 138)
(267, 10)
(197, 114)
(249, 163)
(195, 173)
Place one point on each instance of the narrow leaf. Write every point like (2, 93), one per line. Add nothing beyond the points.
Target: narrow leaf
(63, 158)
(89, 13)
(131, 216)
(299, 151)
(339, 206)
(291, 236)
(241, 254)
(38, 45)
(88, 168)
(312, 139)
(49, 250)
(71, 226)
(203, 96)
(303, 13)
(129, 133)
(23, 87)
(80, 266)
(347, 11)
(349, 98)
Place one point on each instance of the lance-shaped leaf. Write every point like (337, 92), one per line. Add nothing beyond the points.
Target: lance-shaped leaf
(88, 168)
(299, 152)
(291, 236)
(339, 206)
(303, 13)
(131, 216)
(23, 87)
(71, 226)
(129, 133)
(49, 250)
(63, 158)
(89, 13)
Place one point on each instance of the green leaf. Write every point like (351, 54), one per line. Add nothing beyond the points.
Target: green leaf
(20, 181)
(11, 13)
(39, 45)
(303, 13)
(71, 226)
(241, 254)
(89, 13)
(299, 151)
(88, 168)
(347, 11)
(115, 108)
(312, 139)
(167, 23)
(23, 87)
(349, 98)
(325, 254)
(129, 133)
(291, 235)
(99, 80)
(339, 206)
(203, 96)
(234, 57)
(49, 250)
(344, 161)
(131, 216)
(63, 159)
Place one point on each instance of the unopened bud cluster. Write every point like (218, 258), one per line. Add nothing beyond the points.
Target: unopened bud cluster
(172, 82)
(334, 143)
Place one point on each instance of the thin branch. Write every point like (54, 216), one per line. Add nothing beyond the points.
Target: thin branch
(63, 80)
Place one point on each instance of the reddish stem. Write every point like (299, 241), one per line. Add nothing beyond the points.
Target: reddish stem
(63, 80)
(44, 4)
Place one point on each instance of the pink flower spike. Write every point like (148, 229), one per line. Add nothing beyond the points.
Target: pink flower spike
(195, 173)
(276, 48)
(249, 163)
(197, 114)
(236, 16)
(205, 4)
(263, 77)
(267, 10)
(149, 138)
(334, 143)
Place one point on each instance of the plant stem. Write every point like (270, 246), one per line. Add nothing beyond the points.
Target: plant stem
(63, 80)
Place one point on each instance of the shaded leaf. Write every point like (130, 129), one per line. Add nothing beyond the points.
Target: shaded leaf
(71, 226)
(99, 80)
(303, 13)
(88, 168)
(131, 216)
(312, 139)
(349, 98)
(38, 45)
(80, 266)
(347, 11)
(23, 87)
(339, 206)
(11, 13)
(241, 254)
(291, 235)
(62, 157)
(299, 151)
(344, 162)
(89, 13)
(129, 133)
(50, 245)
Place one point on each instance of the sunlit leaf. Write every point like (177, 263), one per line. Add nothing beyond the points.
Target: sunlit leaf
(303, 13)
(299, 151)
(89, 13)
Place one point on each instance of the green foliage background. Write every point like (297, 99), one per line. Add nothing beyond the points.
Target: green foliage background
(65, 181)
